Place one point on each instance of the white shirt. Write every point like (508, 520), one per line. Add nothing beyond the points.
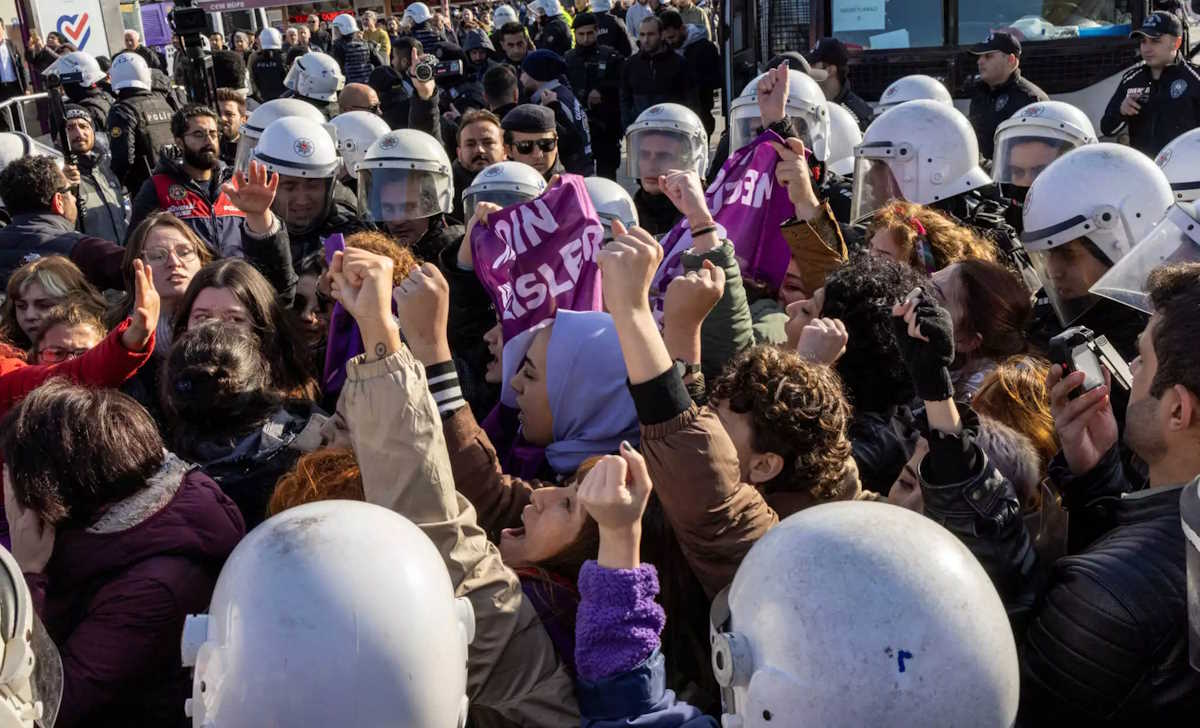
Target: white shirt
(8, 70)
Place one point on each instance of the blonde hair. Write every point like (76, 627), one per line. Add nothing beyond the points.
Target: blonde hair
(928, 240)
(1015, 394)
(59, 277)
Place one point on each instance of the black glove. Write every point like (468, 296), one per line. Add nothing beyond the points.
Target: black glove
(928, 362)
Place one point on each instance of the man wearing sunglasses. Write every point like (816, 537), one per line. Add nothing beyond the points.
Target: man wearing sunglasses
(531, 136)
(359, 97)
(542, 76)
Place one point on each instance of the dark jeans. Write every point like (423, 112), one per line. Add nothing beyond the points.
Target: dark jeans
(7, 91)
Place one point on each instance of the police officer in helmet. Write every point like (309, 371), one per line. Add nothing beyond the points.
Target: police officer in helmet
(139, 123)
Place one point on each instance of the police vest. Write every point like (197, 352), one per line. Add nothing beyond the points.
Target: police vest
(268, 74)
(153, 116)
(356, 62)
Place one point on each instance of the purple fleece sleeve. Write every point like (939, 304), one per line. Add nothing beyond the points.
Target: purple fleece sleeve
(618, 622)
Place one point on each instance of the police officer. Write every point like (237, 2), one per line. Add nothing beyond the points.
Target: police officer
(594, 71)
(352, 52)
(1159, 98)
(139, 123)
(541, 72)
(316, 78)
(81, 76)
(267, 69)
(1000, 89)
(553, 33)
(831, 66)
(610, 30)
(663, 138)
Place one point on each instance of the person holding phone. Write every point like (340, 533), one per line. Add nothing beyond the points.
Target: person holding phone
(1159, 98)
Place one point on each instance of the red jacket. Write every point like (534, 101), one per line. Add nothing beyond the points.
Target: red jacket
(108, 364)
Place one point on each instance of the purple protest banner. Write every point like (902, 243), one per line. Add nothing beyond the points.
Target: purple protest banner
(344, 342)
(749, 204)
(540, 256)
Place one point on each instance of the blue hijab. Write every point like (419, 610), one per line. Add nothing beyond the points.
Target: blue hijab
(586, 382)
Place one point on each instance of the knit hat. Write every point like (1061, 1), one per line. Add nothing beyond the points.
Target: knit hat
(75, 111)
(530, 119)
(582, 20)
(544, 65)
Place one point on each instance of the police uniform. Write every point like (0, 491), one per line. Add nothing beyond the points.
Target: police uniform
(267, 71)
(356, 59)
(992, 106)
(574, 135)
(1171, 106)
(612, 33)
(139, 126)
(598, 68)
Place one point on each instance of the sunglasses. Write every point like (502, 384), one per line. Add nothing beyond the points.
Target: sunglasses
(546, 145)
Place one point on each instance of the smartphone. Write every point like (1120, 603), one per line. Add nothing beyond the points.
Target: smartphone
(1083, 359)
(1073, 350)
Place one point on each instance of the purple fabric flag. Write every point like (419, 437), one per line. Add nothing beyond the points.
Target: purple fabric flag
(537, 257)
(344, 342)
(749, 204)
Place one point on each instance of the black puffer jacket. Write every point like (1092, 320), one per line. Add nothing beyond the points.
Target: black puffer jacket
(1107, 644)
(656, 213)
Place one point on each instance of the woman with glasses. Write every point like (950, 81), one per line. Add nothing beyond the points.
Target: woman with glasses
(36, 288)
(69, 331)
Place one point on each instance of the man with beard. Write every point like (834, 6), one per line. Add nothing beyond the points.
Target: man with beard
(101, 197)
(393, 83)
(231, 105)
(187, 183)
(480, 143)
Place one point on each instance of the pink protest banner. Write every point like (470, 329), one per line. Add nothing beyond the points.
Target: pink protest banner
(749, 204)
(539, 256)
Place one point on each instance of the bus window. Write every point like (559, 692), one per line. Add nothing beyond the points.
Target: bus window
(1036, 20)
(880, 24)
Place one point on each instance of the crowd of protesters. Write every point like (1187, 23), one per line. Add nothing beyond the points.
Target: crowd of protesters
(371, 396)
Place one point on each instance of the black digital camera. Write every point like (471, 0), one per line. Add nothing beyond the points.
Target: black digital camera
(429, 68)
(1079, 349)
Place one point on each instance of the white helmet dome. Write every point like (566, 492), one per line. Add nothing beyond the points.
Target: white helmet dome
(549, 8)
(356, 132)
(346, 24)
(328, 610)
(270, 39)
(297, 147)
(1180, 161)
(914, 88)
(78, 68)
(315, 75)
(612, 202)
(811, 643)
(844, 136)
(1176, 239)
(655, 127)
(805, 106)
(1029, 140)
(503, 15)
(30, 666)
(418, 13)
(129, 70)
(263, 116)
(503, 184)
(14, 145)
(405, 175)
(922, 151)
(1109, 194)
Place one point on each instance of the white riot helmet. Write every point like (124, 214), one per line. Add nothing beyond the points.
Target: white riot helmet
(805, 107)
(316, 75)
(920, 151)
(129, 70)
(296, 147)
(601, 6)
(1029, 140)
(1106, 196)
(356, 132)
(14, 145)
(612, 202)
(270, 39)
(502, 16)
(1180, 161)
(813, 644)
(503, 184)
(262, 117)
(914, 88)
(329, 610)
(31, 672)
(418, 13)
(345, 24)
(666, 137)
(1176, 239)
(549, 8)
(405, 176)
(77, 68)
(844, 136)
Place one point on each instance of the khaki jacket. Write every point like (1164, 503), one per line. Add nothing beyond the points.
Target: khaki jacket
(394, 427)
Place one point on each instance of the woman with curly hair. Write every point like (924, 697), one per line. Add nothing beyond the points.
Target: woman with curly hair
(923, 238)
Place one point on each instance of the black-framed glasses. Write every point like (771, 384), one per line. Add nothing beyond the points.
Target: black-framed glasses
(526, 147)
